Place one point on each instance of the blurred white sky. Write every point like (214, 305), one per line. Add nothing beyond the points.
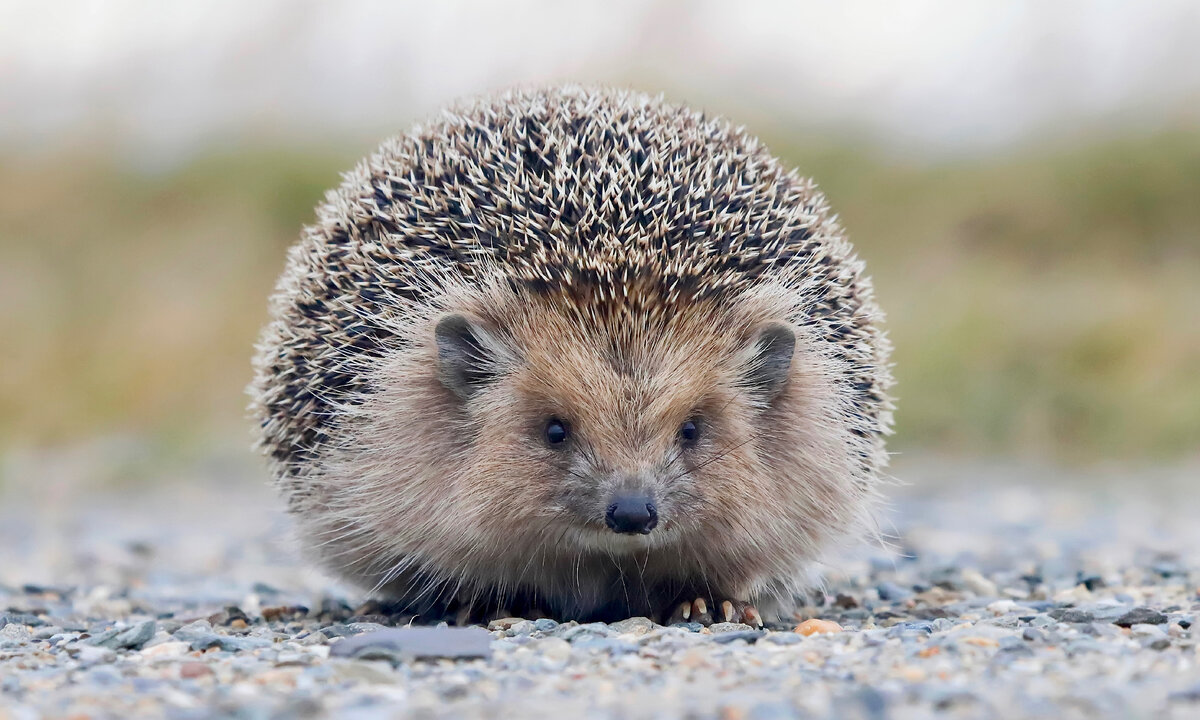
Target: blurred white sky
(168, 77)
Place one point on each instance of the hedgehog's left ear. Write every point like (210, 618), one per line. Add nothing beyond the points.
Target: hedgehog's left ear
(467, 355)
(771, 363)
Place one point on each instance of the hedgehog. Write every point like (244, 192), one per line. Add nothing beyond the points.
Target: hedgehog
(577, 353)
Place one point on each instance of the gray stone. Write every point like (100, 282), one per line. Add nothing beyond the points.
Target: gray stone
(47, 633)
(891, 592)
(1141, 616)
(18, 618)
(522, 628)
(635, 625)
(689, 626)
(612, 646)
(200, 636)
(784, 638)
(587, 630)
(750, 636)
(192, 630)
(908, 628)
(1106, 613)
(414, 643)
(246, 643)
(1072, 615)
(1150, 631)
(545, 625)
(718, 628)
(132, 638)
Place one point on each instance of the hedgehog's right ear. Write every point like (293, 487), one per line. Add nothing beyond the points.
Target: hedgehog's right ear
(467, 355)
(771, 363)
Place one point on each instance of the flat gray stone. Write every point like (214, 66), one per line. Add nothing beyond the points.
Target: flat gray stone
(131, 638)
(1141, 616)
(405, 644)
(750, 636)
(635, 625)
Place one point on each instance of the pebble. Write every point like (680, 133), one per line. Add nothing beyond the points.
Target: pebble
(634, 625)
(131, 638)
(1143, 630)
(545, 625)
(783, 638)
(817, 627)
(1141, 616)
(890, 591)
(200, 640)
(978, 584)
(581, 631)
(398, 645)
(167, 649)
(750, 636)
(1072, 615)
(504, 623)
(727, 627)
(18, 618)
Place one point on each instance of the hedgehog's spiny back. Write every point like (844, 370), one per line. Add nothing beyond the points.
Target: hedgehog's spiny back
(613, 201)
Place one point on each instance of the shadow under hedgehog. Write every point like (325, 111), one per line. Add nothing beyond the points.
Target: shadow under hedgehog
(575, 352)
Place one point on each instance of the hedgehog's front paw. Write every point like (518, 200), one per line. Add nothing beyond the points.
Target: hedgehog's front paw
(700, 611)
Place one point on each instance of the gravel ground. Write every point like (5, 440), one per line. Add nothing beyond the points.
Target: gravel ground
(1039, 599)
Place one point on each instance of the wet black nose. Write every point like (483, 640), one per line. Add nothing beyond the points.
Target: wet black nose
(631, 514)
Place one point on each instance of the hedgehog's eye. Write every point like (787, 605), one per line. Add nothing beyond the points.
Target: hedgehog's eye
(689, 432)
(557, 431)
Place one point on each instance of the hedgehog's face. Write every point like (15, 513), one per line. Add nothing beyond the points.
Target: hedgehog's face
(619, 444)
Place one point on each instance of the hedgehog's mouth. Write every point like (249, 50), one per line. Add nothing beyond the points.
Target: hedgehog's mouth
(598, 538)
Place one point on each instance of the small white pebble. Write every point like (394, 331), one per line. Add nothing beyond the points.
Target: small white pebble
(1142, 630)
(1078, 594)
(1001, 607)
(166, 649)
(321, 651)
(93, 654)
(978, 584)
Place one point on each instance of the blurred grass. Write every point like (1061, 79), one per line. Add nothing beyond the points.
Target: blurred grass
(1042, 304)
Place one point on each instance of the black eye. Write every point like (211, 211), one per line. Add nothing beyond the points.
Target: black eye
(689, 431)
(556, 431)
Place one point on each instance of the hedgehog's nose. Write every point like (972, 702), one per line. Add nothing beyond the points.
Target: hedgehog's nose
(631, 514)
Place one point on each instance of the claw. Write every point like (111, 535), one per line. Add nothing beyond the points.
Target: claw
(700, 612)
(751, 617)
(683, 613)
(727, 610)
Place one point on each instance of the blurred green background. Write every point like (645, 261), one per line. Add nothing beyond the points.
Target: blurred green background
(1042, 290)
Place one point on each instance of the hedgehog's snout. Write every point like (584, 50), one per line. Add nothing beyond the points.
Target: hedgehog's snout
(631, 514)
